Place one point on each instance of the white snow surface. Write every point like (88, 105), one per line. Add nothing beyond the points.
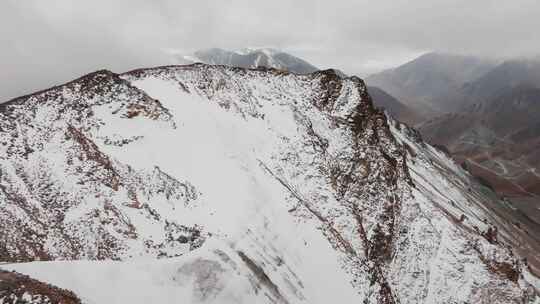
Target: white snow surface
(213, 274)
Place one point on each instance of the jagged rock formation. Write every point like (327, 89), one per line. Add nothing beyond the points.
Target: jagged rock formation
(249, 186)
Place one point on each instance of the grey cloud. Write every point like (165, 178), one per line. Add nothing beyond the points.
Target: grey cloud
(48, 42)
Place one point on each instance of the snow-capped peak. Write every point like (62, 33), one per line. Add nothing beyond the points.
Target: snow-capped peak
(216, 184)
(250, 57)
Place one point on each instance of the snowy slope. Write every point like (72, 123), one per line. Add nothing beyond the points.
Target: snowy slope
(211, 184)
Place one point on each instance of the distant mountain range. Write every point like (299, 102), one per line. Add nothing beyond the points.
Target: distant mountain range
(498, 130)
(485, 112)
(424, 82)
(251, 58)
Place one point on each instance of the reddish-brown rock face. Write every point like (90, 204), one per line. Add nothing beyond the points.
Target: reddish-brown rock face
(18, 288)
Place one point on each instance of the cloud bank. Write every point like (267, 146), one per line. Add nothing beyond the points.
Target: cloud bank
(49, 42)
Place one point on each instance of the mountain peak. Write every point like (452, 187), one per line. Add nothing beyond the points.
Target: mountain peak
(266, 179)
(94, 78)
(251, 58)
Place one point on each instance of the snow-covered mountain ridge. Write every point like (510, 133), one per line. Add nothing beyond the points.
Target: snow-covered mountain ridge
(213, 184)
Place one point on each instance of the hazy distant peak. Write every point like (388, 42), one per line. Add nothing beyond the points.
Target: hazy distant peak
(250, 57)
(266, 50)
(423, 81)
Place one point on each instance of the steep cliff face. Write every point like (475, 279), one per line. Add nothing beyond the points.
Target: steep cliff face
(242, 186)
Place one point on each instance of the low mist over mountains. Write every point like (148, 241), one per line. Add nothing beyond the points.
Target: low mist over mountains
(485, 112)
(501, 79)
(251, 58)
(422, 82)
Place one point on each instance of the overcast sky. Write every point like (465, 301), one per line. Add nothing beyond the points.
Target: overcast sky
(49, 42)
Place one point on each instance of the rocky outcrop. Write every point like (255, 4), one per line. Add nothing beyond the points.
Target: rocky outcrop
(62, 196)
(18, 288)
